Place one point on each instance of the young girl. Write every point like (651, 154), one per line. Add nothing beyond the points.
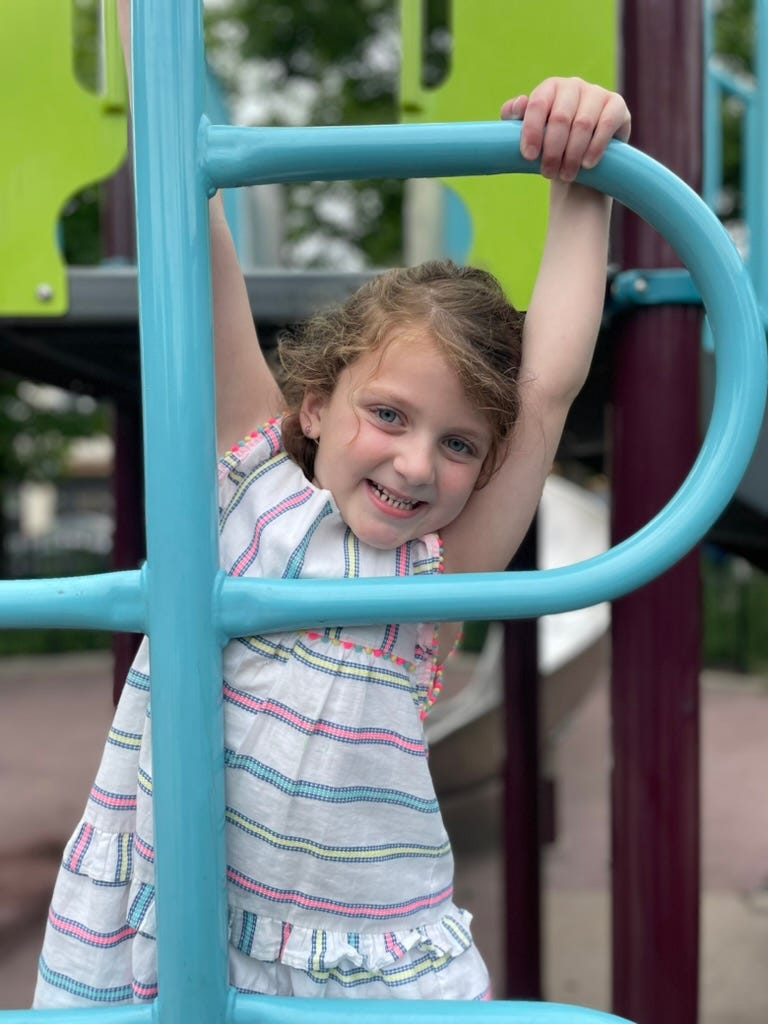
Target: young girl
(422, 419)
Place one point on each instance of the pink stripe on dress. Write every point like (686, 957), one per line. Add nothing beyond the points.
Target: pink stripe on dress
(79, 851)
(247, 557)
(87, 935)
(306, 901)
(142, 991)
(115, 801)
(321, 728)
(143, 849)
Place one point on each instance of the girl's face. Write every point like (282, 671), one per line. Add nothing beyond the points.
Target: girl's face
(400, 446)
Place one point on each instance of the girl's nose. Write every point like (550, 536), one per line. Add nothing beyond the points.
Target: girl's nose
(415, 463)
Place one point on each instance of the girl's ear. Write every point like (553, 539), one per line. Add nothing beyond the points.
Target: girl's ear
(311, 414)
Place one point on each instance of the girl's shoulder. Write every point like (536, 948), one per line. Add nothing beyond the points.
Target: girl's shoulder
(258, 479)
(260, 446)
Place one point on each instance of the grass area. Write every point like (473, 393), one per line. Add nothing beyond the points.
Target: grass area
(735, 615)
(52, 641)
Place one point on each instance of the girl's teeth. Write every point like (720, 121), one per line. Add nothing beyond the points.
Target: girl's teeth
(390, 500)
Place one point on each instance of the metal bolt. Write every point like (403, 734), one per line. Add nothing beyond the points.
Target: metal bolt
(44, 292)
(640, 285)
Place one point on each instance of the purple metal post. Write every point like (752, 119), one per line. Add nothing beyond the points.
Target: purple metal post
(522, 829)
(118, 232)
(657, 631)
(128, 544)
(119, 216)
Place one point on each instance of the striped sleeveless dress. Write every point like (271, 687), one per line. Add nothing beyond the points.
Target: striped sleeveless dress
(340, 872)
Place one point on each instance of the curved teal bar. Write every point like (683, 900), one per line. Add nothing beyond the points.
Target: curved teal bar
(642, 184)
(115, 601)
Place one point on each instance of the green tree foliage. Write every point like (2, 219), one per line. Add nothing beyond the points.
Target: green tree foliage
(734, 44)
(735, 33)
(324, 43)
(35, 432)
(326, 62)
(35, 437)
(319, 62)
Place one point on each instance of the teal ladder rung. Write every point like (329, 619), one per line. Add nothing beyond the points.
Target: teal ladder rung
(114, 601)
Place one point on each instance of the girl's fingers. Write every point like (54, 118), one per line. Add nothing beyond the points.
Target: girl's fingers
(537, 111)
(514, 109)
(568, 123)
(614, 123)
(559, 108)
(581, 140)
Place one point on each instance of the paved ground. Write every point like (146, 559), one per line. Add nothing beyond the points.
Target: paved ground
(47, 761)
(734, 941)
(54, 713)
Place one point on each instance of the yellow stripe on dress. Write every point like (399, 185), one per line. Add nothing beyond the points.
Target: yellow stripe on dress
(334, 666)
(339, 854)
(401, 976)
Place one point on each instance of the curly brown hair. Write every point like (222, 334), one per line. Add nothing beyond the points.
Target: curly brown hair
(466, 313)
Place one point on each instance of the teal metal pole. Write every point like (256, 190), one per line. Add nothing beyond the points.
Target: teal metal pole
(182, 538)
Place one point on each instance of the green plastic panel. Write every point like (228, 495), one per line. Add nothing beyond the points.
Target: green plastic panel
(58, 138)
(502, 48)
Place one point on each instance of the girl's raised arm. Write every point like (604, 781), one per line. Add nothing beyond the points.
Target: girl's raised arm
(246, 392)
(569, 123)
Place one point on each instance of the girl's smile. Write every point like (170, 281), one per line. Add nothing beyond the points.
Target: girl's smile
(400, 446)
(393, 503)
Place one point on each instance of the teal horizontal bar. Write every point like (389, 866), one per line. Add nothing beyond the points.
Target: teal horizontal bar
(277, 1010)
(248, 606)
(663, 287)
(735, 85)
(89, 1015)
(258, 156)
(667, 286)
(113, 601)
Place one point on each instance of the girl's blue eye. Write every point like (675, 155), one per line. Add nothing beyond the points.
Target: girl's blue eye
(387, 415)
(458, 446)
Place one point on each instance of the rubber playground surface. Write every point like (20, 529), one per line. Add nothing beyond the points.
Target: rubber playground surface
(54, 713)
